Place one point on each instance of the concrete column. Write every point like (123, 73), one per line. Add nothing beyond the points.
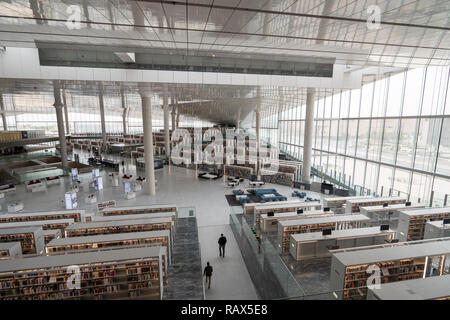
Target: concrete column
(258, 124)
(166, 125)
(125, 109)
(238, 122)
(102, 111)
(66, 112)
(173, 118)
(308, 137)
(2, 105)
(146, 97)
(60, 120)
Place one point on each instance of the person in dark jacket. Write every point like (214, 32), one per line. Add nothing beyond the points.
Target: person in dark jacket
(208, 273)
(222, 242)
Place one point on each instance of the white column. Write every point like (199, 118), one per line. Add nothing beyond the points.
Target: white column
(125, 109)
(5, 125)
(308, 137)
(60, 120)
(238, 122)
(166, 125)
(146, 97)
(66, 112)
(173, 117)
(102, 112)
(258, 123)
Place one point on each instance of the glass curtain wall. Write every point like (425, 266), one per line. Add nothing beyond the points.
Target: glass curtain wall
(390, 137)
(35, 111)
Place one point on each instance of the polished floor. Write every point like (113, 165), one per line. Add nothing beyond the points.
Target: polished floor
(179, 186)
(174, 186)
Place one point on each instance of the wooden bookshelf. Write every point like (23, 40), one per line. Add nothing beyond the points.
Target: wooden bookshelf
(431, 288)
(103, 241)
(411, 223)
(337, 204)
(31, 238)
(60, 225)
(282, 207)
(76, 215)
(337, 222)
(352, 206)
(116, 274)
(49, 235)
(10, 250)
(436, 229)
(270, 224)
(387, 215)
(397, 262)
(121, 226)
(315, 244)
(138, 210)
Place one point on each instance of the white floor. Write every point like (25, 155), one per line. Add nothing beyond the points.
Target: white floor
(177, 186)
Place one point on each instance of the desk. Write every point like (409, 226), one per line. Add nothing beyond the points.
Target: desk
(52, 180)
(15, 207)
(256, 183)
(38, 188)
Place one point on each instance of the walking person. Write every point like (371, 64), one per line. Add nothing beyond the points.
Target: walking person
(222, 242)
(208, 273)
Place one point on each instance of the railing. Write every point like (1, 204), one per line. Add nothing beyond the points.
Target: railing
(271, 277)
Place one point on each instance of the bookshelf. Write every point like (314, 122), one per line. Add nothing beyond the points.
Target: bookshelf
(45, 224)
(436, 229)
(49, 235)
(397, 262)
(387, 215)
(341, 222)
(76, 215)
(249, 208)
(314, 244)
(121, 226)
(411, 223)
(352, 206)
(138, 210)
(115, 274)
(10, 250)
(431, 288)
(111, 240)
(31, 238)
(282, 207)
(270, 224)
(337, 204)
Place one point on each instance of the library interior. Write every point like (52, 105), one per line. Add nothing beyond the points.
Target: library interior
(311, 134)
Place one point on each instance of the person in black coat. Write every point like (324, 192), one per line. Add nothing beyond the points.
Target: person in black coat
(222, 242)
(208, 273)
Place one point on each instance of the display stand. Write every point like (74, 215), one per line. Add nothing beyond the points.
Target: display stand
(15, 207)
(137, 186)
(38, 188)
(71, 200)
(114, 180)
(130, 195)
